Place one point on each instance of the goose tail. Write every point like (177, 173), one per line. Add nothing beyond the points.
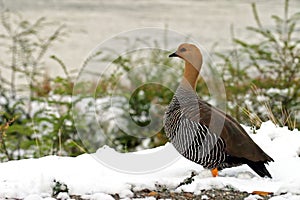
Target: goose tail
(259, 168)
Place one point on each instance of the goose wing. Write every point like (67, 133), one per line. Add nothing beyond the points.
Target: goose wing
(238, 142)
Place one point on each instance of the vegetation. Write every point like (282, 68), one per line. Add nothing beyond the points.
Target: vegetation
(35, 117)
(261, 80)
(140, 101)
(262, 77)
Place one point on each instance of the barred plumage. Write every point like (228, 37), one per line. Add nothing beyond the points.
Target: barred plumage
(203, 133)
(192, 139)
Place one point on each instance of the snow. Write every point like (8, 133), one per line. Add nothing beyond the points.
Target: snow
(253, 197)
(273, 91)
(33, 179)
(63, 196)
(33, 197)
(98, 196)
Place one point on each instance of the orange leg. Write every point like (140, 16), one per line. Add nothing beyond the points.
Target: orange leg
(214, 172)
(262, 193)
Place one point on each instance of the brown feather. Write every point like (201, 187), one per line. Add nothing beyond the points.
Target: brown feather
(238, 142)
(239, 147)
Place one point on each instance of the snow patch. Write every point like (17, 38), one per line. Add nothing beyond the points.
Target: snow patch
(84, 175)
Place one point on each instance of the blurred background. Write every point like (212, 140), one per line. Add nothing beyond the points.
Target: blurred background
(91, 22)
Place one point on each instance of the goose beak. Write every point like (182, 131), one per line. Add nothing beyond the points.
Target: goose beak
(173, 55)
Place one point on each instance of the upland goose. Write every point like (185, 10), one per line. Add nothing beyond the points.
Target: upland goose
(191, 123)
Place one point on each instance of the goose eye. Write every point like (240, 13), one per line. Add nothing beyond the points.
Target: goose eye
(182, 49)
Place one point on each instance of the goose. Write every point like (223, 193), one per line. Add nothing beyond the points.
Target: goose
(191, 123)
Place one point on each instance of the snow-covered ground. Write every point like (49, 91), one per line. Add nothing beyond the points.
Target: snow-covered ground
(34, 178)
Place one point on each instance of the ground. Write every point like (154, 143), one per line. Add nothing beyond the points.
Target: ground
(87, 177)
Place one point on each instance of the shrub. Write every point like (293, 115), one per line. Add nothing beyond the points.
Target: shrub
(140, 100)
(39, 113)
(262, 77)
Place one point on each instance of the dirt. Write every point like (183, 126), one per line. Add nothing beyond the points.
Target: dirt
(215, 194)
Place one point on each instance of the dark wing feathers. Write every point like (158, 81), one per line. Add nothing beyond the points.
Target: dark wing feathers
(238, 142)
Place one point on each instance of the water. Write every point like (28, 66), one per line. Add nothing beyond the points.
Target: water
(90, 22)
